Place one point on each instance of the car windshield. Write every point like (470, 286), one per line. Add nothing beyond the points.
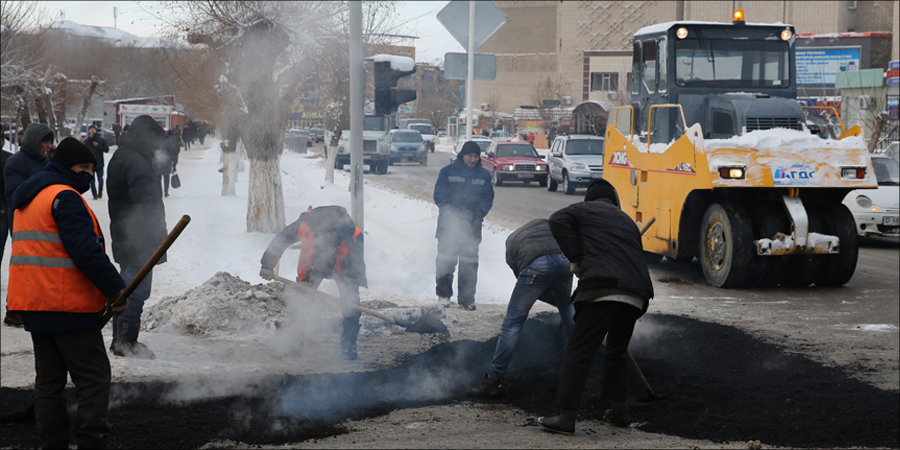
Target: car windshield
(731, 63)
(887, 171)
(584, 147)
(406, 136)
(504, 151)
(424, 129)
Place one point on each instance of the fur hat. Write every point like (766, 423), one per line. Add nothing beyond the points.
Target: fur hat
(71, 152)
(469, 147)
(601, 188)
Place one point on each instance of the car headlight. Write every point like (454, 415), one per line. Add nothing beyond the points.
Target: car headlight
(423, 147)
(541, 168)
(394, 148)
(864, 201)
(579, 166)
(508, 167)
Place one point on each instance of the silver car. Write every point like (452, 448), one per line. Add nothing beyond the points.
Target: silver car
(877, 211)
(574, 161)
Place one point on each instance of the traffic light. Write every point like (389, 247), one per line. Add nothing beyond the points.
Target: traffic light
(387, 97)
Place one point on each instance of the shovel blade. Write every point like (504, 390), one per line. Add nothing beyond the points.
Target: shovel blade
(427, 324)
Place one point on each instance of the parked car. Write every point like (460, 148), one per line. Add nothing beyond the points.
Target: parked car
(317, 134)
(482, 142)
(877, 211)
(427, 132)
(297, 140)
(574, 161)
(514, 161)
(407, 145)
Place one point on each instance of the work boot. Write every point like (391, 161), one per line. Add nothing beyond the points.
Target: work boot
(349, 353)
(564, 423)
(618, 415)
(13, 319)
(349, 335)
(487, 388)
(127, 344)
(469, 307)
(100, 194)
(444, 302)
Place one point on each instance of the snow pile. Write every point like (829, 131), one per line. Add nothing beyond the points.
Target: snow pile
(224, 303)
(784, 140)
(398, 63)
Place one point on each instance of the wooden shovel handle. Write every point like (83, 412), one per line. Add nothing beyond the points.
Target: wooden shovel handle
(148, 266)
(330, 297)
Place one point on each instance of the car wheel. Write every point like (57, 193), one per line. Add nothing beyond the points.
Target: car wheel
(496, 179)
(551, 184)
(567, 185)
(424, 160)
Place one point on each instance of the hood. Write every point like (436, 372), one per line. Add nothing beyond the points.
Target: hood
(34, 135)
(54, 173)
(459, 161)
(144, 137)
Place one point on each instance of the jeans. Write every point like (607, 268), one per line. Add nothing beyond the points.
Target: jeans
(98, 173)
(593, 322)
(349, 292)
(139, 296)
(548, 279)
(449, 252)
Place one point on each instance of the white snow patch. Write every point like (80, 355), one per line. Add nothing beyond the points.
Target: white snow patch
(877, 327)
(400, 63)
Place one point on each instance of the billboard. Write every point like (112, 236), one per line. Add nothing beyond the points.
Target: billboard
(817, 66)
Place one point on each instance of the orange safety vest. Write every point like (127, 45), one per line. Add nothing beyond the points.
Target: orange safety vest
(42, 276)
(304, 265)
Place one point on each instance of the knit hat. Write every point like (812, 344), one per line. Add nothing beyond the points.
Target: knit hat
(35, 134)
(469, 147)
(71, 152)
(600, 188)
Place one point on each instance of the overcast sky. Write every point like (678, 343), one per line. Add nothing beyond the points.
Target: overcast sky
(145, 19)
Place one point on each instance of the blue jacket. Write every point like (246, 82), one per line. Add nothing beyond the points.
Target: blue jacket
(464, 195)
(19, 167)
(76, 231)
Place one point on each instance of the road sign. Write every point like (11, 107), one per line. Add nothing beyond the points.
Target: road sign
(455, 18)
(455, 65)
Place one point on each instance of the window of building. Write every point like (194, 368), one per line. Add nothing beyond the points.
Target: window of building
(851, 4)
(605, 81)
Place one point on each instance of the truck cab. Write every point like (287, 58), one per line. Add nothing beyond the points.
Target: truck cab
(376, 146)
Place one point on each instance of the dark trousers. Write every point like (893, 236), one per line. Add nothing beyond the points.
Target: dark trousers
(5, 225)
(82, 355)
(593, 322)
(98, 174)
(449, 252)
(349, 292)
(165, 183)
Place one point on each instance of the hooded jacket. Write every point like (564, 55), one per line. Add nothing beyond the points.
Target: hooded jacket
(463, 195)
(77, 235)
(26, 162)
(607, 245)
(528, 243)
(136, 211)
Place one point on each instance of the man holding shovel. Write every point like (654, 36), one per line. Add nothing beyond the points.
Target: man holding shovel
(332, 248)
(62, 281)
(614, 289)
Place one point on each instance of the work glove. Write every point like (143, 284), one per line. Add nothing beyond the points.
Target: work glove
(575, 268)
(267, 274)
(116, 310)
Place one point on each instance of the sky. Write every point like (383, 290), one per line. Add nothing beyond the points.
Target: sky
(145, 19)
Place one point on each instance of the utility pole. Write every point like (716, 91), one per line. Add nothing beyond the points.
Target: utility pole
(356, 115)
(115, 16)
(470, 71)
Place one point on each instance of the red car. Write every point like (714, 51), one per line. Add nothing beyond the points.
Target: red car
(514, 161)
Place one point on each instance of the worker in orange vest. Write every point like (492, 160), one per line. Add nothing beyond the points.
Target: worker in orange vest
(62, 282)
(332, 247)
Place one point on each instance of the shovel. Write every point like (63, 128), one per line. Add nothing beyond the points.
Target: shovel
(427, 324)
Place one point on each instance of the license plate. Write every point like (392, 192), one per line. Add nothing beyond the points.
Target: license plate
(596, 175)
(892, 220)
(525, 175)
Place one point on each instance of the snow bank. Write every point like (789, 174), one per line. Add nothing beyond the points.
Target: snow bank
(792, 141)
(401, 63)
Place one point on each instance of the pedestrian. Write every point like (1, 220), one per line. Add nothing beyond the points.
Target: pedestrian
(98, 145)
(62, 282)
(332, 249)
(614, 289)
(4, 205)
(551, 136)
(463, 194)
(137, 225)
(484, 132)
(543, 274)
(187, 137)
(165, 159)
(34, 153)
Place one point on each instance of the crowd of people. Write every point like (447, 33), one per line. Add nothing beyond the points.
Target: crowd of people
(57, 237)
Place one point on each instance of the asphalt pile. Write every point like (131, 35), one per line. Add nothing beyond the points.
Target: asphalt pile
(723, 385)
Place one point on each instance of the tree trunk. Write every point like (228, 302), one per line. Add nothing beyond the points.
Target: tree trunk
(62, 105)
(79, 122)
(26, 113)
(41, 109)
(230, 157)
(48, 104)
(265, 205)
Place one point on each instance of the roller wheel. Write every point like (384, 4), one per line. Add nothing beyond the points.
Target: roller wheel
(567, 185)
(802, 270)
(551, 184)
(496, 179)
(839, 268)
(726, 245)
(769, 219)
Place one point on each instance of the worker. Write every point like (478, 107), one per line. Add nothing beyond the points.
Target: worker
(543, 274)
(614, 289)
(332, 247)
(61, 281)
(463, 194)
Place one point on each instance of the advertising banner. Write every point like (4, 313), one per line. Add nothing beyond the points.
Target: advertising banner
(817, 66)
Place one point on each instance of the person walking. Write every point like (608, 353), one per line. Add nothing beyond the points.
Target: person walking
(333, 249)
(165, 159)
(34, 153)
(137, 225)
(543, 274)
(187, 137)
(464, 195)
(614, 289)
(98, 145)
(61, 281)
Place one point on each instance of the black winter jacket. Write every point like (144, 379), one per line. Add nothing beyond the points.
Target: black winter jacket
(19, 167)
(99, 149)
(463, 195)
(528, 243)
(607, 246)
(136, 211)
